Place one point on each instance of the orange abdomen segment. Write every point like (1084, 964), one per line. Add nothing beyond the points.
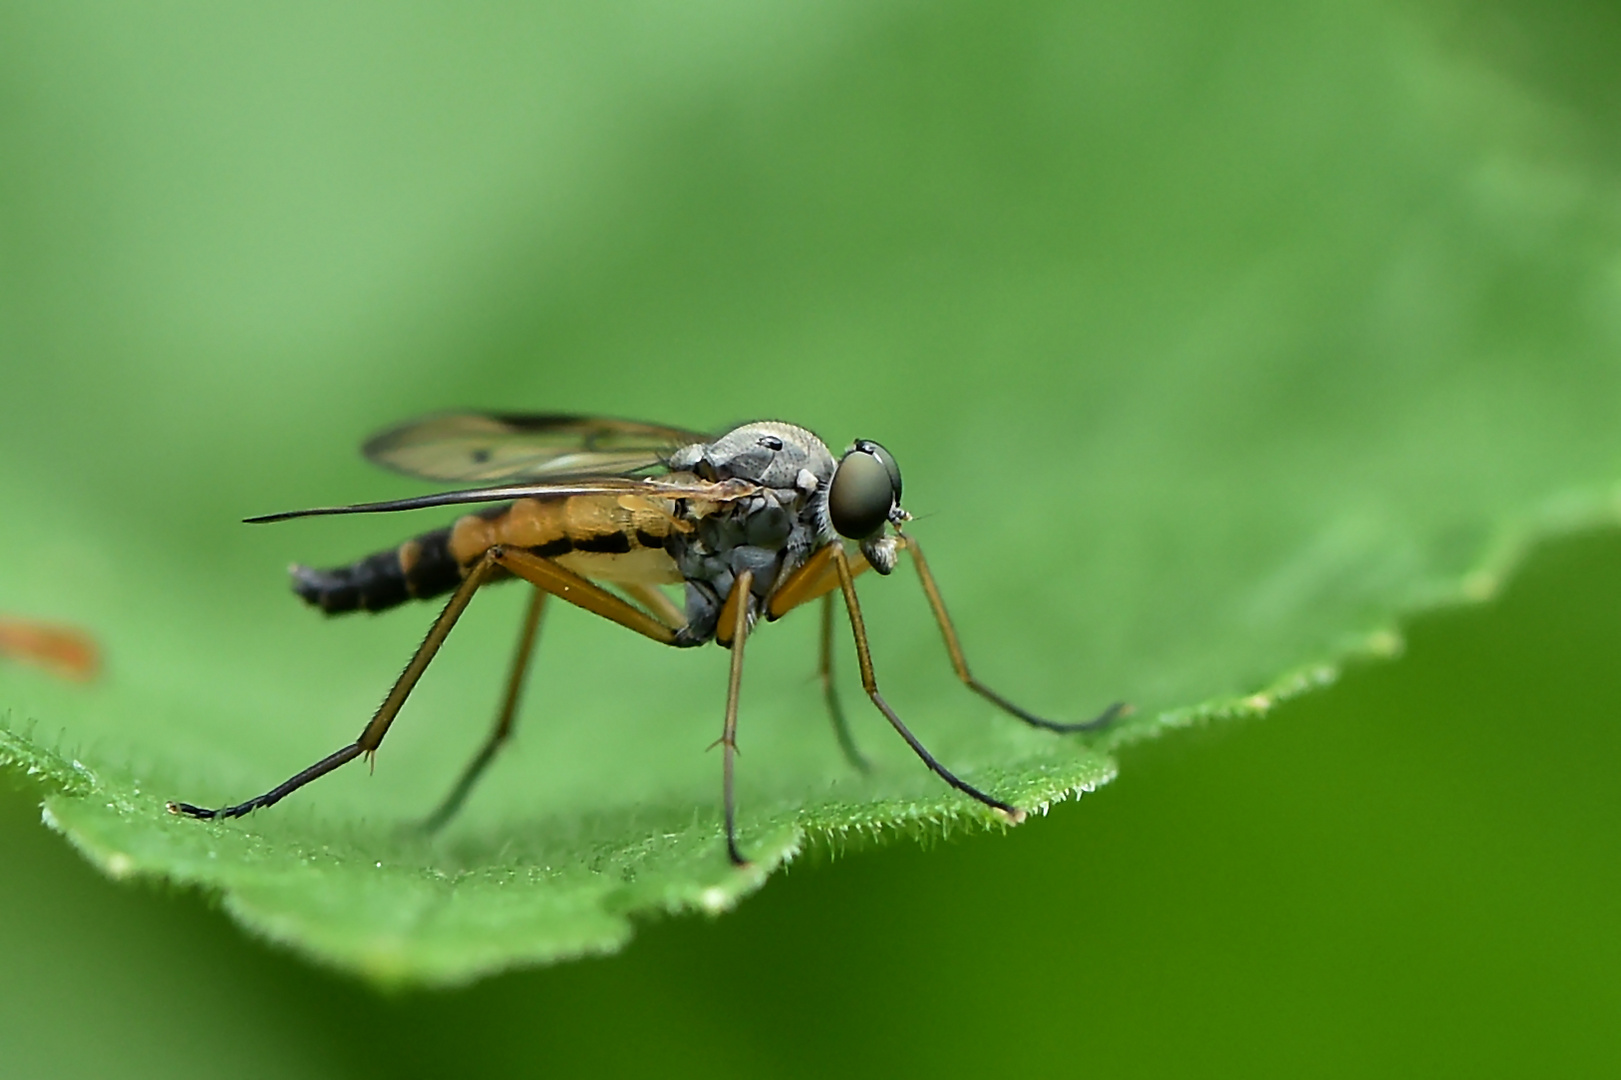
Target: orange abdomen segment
(618, 538)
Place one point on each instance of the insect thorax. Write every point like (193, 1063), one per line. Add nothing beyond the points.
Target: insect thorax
(770, 533)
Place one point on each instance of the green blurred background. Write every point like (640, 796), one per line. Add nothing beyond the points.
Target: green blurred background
(306, 211)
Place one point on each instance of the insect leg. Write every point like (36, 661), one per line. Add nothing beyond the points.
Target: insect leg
(656, 602)
(737, 606)
(830, 692)
(815, 578)
(503, 722)
(372, 735)
(567, 585)
(547, 577)
(818, 577)
(959, 662)
(869, 682)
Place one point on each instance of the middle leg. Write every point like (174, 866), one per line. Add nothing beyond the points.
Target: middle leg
(830, 693)
(737, 607)
(503, 721)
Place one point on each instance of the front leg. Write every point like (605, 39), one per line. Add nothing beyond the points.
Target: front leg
(869, 682)
(959, 662)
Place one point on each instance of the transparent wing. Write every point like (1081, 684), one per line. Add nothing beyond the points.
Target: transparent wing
(651, 487)
(492, 448)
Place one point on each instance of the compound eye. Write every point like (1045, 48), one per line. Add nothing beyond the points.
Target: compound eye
(866, 488)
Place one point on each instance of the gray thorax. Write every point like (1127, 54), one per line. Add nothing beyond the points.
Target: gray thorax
(771, 532)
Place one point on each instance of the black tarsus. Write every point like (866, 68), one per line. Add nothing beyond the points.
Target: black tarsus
(277, 793)
(1101, 720)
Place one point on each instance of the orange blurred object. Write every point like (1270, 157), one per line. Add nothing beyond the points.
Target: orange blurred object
(60, 650)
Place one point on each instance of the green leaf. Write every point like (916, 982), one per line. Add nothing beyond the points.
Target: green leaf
(1212, 339)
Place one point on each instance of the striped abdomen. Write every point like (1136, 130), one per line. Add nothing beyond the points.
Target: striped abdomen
(613, 538)
(607, 538)
(417, 569)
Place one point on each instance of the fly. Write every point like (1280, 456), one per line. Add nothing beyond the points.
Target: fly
(600, 513)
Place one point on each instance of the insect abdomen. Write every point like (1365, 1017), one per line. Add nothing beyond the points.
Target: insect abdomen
(605, 538)
(419, 568)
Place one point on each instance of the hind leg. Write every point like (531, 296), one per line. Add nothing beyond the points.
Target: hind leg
(371, 737)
